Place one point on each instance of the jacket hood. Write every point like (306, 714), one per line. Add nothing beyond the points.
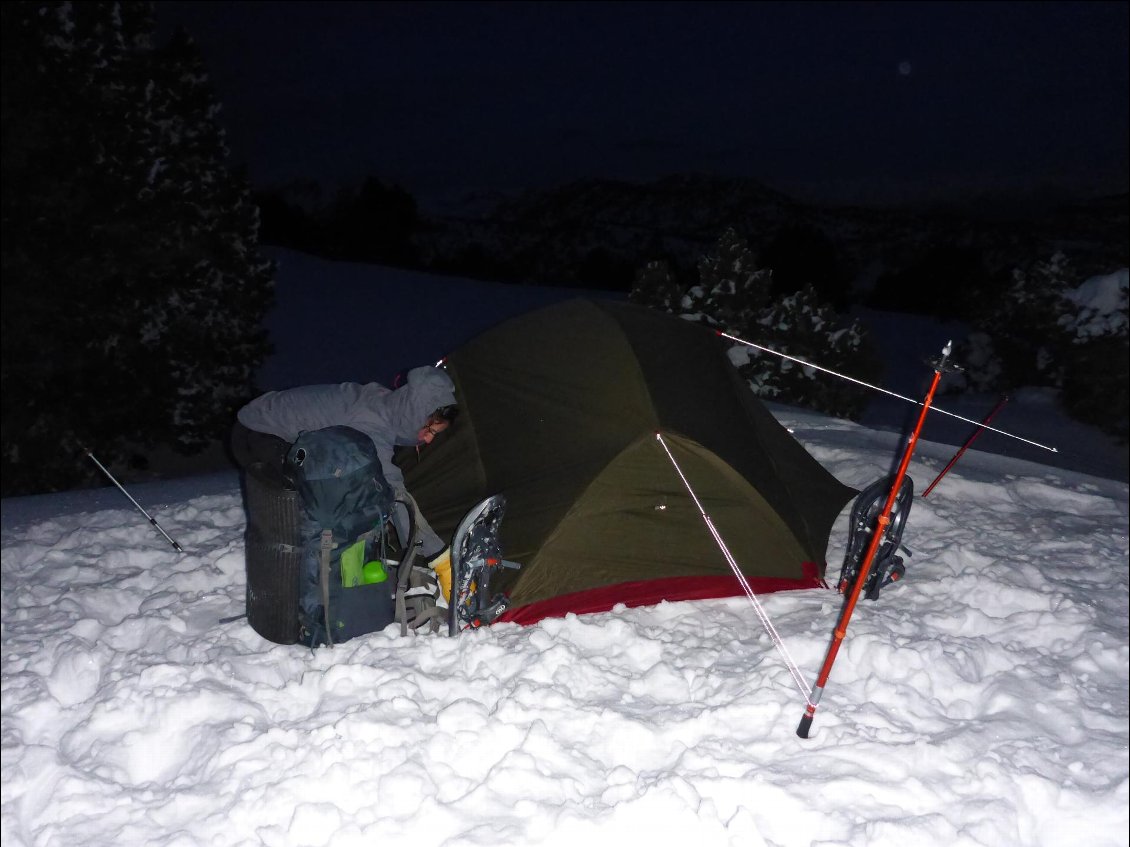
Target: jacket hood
(426, 389)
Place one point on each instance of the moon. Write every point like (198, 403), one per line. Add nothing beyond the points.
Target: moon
(904, 68)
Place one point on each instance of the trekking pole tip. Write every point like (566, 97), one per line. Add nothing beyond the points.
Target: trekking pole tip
(805, 726)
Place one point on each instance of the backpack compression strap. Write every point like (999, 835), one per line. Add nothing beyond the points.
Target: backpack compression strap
(324, 580)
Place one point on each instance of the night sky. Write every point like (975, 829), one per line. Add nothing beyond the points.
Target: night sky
(828, 101)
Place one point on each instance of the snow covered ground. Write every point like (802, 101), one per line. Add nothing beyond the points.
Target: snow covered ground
(982, 701)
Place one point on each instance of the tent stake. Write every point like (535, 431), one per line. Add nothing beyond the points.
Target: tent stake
(877, 536)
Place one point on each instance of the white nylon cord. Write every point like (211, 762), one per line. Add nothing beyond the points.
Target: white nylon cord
(937, 409)
(778, 642)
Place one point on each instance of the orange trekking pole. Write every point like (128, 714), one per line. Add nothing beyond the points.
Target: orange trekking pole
(877, 536)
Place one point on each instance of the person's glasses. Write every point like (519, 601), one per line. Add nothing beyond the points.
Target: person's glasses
(430, 431)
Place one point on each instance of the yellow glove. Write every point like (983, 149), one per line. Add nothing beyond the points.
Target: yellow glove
(441, 564)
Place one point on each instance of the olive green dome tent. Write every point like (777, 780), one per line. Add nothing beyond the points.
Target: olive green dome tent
(560, 410)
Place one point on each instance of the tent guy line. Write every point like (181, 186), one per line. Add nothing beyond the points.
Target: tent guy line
(763, 616)
(882, 390)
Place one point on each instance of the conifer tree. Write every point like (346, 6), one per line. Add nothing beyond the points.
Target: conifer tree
(1043, 331)
(133, 288)
(655, 285)
(803, 326)
(1016, 340)
(732, 294)
(732, 290)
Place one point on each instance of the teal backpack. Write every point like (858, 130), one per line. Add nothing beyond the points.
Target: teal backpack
(355, 575)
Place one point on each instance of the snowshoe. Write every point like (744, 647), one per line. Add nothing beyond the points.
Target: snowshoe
(887, 567)
(475, 554)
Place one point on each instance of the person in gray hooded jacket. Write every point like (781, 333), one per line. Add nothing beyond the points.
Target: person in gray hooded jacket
(411, 415)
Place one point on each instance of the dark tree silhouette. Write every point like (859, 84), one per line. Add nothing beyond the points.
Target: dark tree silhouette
(801, 255)
(948, 281)
(134, 291)
(375, 223)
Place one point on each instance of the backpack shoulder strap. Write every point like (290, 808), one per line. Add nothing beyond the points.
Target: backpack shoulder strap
(417, 588)
(404, 569)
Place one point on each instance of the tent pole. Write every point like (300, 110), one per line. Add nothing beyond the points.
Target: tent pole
(877, 536)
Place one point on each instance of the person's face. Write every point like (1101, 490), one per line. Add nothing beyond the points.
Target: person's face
(430, 430)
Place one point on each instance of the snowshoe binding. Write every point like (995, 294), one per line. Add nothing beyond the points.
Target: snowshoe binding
(887, 566)
(475, 554)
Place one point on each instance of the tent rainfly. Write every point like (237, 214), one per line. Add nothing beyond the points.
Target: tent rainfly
(560, 410)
